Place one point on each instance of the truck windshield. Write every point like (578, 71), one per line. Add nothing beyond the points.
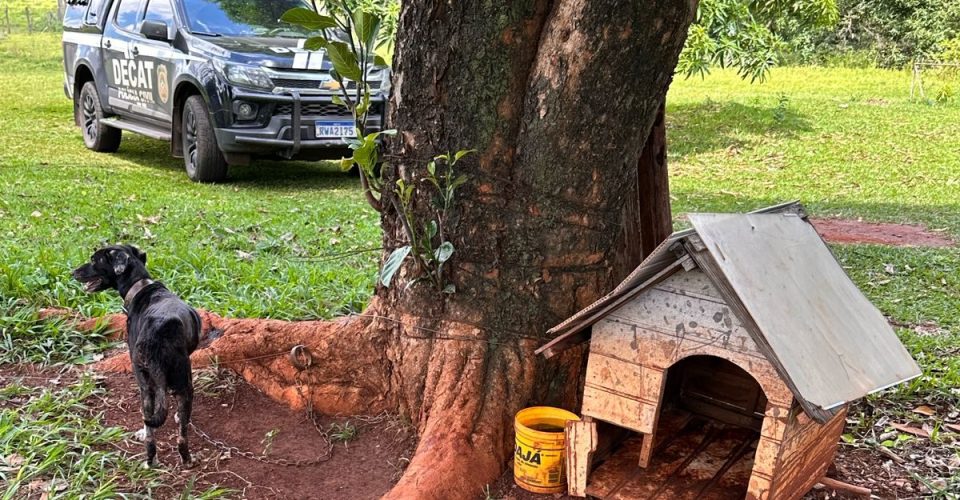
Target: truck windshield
(241, 17)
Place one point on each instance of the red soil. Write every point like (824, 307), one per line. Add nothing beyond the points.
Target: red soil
(365, 468)
(846, 231)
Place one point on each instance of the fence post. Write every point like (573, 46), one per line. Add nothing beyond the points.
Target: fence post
(29, 21)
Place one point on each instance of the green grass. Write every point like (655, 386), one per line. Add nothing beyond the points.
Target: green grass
(846, 142)
(52, 443)
(259, 246)
(25, 338)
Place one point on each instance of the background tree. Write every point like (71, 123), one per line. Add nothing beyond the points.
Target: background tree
(749, 34)
(885, 33)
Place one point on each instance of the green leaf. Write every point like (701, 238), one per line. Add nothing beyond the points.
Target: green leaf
(444, 251)
(366, 153)
(459, 181)
(346, 164)
(462, 153)
(315, 43)
(380, 61)
(344, 61)
(392, 265)
(366, 25)
(364, 103)
(338, 100)
(431, 229)
(308, 18)
(450, 289)
(432, 167)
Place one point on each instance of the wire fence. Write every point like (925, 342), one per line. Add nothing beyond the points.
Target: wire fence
(18, 17)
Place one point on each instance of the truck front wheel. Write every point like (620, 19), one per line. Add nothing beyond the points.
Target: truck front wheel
(96, 135)
(201, 155)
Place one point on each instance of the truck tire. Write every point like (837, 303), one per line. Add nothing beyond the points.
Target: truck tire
(201, 155)
(96, 135)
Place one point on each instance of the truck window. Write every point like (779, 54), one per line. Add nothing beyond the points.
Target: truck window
(242, 19)
(128, 13)
(73, 14)
(159, 10)
(93, 12)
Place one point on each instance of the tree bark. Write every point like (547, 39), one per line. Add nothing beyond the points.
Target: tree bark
(559, 98)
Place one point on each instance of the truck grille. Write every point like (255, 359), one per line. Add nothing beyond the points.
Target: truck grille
(323, 109)
(295, 83)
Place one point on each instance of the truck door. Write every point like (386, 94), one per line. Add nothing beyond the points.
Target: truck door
(158, 58)
(130, 81)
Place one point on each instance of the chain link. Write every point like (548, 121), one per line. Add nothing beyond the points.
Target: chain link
(297, 352)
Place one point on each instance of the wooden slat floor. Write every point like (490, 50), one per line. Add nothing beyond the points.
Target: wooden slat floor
(694, 458)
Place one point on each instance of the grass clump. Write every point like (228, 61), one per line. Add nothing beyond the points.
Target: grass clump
(26, 338)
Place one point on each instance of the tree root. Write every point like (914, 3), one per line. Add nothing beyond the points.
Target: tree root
(346, 375)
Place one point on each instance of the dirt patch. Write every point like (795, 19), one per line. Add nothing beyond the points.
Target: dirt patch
(236, 413)
(847, 231)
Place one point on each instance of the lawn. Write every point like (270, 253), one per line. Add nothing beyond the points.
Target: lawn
(297, 241)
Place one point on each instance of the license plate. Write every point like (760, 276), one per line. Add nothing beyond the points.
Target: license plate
(326, 130)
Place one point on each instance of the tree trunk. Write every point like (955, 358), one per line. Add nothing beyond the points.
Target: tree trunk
(559, 99)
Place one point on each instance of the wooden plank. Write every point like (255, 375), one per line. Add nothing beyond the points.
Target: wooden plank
(616, 375)
(806, 452)
(581, 442)
(618, 409)
(831, 342)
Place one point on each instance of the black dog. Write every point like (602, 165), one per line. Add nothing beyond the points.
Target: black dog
(162, 331)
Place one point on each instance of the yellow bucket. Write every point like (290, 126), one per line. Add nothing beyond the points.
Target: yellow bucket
(538, 460)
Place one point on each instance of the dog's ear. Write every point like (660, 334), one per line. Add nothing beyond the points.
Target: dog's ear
(119, 260)
(141, 255)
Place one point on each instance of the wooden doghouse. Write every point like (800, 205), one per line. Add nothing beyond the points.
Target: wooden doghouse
(732, 352)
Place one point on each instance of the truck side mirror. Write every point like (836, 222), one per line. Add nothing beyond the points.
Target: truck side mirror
(155, 30)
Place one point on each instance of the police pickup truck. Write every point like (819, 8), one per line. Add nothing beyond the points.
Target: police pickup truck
(223, 80)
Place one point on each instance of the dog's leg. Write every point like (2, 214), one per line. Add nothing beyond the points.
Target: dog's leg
(147, 400)
(184, 408)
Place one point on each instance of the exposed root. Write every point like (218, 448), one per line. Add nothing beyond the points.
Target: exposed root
(347, 374)
(449, 464)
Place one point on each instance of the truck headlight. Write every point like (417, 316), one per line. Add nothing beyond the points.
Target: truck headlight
(246, 76)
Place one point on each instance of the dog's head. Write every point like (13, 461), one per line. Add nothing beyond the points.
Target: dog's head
(108, 266)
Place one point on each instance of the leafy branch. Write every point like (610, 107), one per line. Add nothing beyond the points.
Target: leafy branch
(428, 245)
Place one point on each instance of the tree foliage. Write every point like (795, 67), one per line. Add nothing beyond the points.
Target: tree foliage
(891, 32)
(748, 34)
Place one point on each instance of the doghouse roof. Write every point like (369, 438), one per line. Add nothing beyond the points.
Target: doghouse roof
(826, 340)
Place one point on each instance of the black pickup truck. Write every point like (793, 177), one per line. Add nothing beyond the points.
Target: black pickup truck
(223, 81)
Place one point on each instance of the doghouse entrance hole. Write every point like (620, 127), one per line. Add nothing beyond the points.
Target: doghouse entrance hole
(715, 388)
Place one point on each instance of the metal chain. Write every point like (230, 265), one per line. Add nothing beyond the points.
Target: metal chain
(300, 358)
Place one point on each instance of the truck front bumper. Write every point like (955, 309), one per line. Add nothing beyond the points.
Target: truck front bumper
(290, 113)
